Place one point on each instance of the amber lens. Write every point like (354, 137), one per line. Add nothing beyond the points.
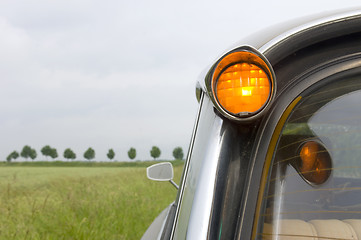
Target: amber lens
(315, 165)
(243, 88)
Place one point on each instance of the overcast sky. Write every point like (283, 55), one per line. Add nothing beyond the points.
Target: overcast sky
(117, 74)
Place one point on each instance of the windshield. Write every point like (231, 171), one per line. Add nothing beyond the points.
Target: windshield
(314, 187)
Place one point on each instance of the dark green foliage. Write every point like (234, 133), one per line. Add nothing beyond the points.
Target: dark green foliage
(89, 154)
(25, 153)
(155, 152)
(14, 155)
(132, 153)
(69, 154)
(47, 151)
(28, 152)
(33, 154)
(54, 153)
(111, 154)
(178, 153)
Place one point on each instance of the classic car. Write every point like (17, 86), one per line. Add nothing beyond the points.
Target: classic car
(276, 147)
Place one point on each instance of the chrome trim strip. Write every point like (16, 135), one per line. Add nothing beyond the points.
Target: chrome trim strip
(308, 26)
(186, 166)
(199, 220)
(194, 210)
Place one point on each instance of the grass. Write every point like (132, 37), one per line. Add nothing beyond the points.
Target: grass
(83, 202)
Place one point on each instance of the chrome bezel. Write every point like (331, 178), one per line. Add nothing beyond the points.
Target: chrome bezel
(211, 80)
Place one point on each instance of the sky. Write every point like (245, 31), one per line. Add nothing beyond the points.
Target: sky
(118, 74)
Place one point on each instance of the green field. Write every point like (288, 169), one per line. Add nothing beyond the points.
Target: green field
(79, 201)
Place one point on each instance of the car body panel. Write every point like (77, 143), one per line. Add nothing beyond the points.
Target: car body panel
(227, 160)
(155, 230)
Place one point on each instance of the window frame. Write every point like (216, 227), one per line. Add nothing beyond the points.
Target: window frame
(322, 74)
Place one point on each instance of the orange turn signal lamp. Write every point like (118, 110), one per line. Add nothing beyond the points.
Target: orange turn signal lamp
(243, 83)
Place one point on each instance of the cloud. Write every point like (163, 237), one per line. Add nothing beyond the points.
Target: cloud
(115, 73)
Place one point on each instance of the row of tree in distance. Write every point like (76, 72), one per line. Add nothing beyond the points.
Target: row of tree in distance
(47, 151)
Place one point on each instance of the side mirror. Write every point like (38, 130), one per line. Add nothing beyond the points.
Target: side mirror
(161, 172)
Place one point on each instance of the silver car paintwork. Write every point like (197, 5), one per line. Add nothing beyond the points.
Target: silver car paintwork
(194, 210)
(192, 219)
(155, 229)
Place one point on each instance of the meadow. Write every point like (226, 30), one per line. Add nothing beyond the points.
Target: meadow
(80, 201)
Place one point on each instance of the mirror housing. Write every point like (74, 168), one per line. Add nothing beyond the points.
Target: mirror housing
(161, 172)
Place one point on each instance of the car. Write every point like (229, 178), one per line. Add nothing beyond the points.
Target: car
(276, 148)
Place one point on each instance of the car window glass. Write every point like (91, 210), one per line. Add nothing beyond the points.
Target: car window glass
(314, 185)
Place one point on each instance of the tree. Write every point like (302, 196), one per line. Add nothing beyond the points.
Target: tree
(89, 154)
(33, 154)
(9, 158)
(53, 153)
(132, 153)
(155, 152)
(69, 154)
(14, 155)
(47, 151)
(28, 152)
(178, 153)
(111, 154)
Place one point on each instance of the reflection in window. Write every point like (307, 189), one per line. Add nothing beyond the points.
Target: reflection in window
(314, 187)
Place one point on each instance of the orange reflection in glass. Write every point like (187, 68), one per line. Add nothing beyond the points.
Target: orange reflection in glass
(315, 165)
